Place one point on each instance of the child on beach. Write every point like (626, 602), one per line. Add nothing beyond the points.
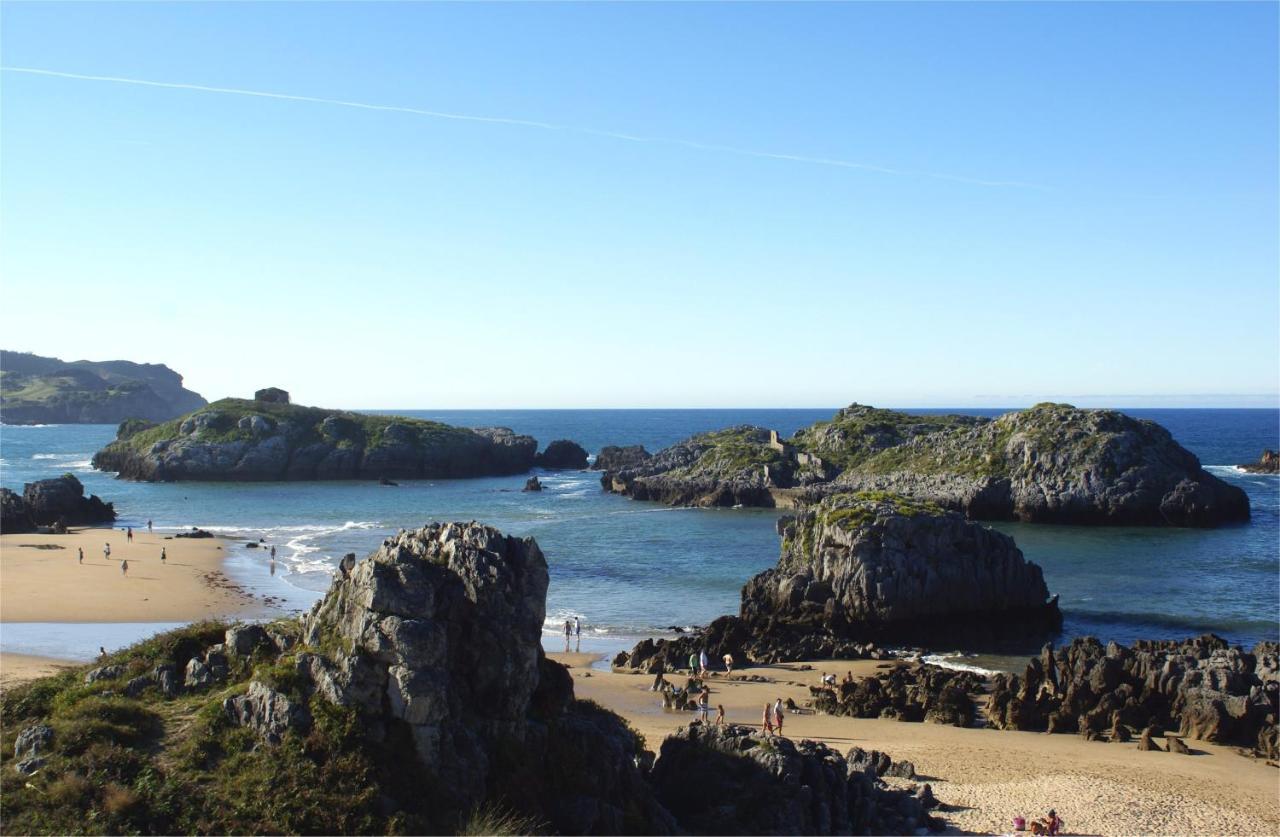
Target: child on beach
(768, 720)
(719, 714)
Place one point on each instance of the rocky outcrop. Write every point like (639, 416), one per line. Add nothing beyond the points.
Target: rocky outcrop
(435, 641)
(1202, 688)
(1268, 463)
(875, 567)
(1052, 463)
(907, 693)
(615, 458)
(239, 440)
(731, 780)
(532, 484)
(46, 390)
(563, 455)
(53, 502)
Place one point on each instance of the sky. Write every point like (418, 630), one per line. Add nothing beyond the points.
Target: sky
(663, 205)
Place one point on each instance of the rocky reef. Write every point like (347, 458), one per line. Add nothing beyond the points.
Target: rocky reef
(1052, 463)
(907, 693)
(55, 503)
(271, 439)
(615, 458)
(1268, 463)
(1202, 688)
(563, 455)
(46, 390)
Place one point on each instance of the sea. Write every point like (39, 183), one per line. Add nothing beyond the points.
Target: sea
(634, 569)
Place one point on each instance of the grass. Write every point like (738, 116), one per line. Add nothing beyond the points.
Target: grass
(500, 821)
(731, 452)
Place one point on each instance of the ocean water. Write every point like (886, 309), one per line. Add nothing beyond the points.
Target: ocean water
(632, 569)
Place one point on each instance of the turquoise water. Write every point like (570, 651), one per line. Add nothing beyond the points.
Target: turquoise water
(630, 569)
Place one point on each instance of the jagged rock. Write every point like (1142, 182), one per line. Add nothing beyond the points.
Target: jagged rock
(271, 439)
(1175, 745)
(137, 685)
(59, 501)
(33, 740)
(436, 637)
(532, 484)
(563, 455)
(730, 780)
(905, 693)
(245, 639)
(870, 566)
(206, 670)
(1052, 463)
(166, 677)
(1147, 740)
(29, 766)
(1268, 463)
(1201, 687)
(272, 395)
(103, 673)
(267, 712)
(615, 458)
(194, 533)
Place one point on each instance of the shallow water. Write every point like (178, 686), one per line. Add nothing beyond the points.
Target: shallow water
(630, 569)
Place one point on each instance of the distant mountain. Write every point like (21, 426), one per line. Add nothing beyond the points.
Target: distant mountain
(46, 390)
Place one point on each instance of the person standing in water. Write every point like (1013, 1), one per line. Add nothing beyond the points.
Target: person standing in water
(148, 527)
(577, 626)
(273, 553)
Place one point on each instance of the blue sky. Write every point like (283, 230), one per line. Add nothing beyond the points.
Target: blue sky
(1067, 200)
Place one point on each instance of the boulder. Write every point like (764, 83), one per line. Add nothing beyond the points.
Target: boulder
(563, 455)
(103, 673)
(532, 484)
(267, 712)
(32, 741)
(13, 513)
(245, 639)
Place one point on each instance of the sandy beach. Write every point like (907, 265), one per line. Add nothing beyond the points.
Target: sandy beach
(41, 579)
(986, 777)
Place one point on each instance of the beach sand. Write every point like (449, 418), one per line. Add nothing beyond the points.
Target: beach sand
(42, 581)
(986, 777)
(19, 668)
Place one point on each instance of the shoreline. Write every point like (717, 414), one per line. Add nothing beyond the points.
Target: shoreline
(985, 777)
(44, 581)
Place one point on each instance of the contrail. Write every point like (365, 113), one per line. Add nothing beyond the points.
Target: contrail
(528, 123)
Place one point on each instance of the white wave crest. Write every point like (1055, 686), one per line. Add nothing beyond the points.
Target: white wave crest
(952, 663)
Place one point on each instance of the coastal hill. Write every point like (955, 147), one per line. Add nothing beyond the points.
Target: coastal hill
(1052, 463)
(46, 390)
(268, 438)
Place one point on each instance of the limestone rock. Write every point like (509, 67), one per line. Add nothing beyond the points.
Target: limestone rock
(103, 673)
(563, 455)
(59, 501)
(615, 458)
(1268, 463)
(32, 741)
(267, 712)
(245, 639)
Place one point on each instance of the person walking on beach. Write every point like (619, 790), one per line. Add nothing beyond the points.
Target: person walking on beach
(273, 553)
(702, 662)
(124, 567)
(728, 664)
(106, 551)
(693, 664)
(777, 715)
(720, 714)
(577, 626)
(162, 555)
(80, 549)
(768, 720)
(128, 534)
(704, 704)
(148, 527)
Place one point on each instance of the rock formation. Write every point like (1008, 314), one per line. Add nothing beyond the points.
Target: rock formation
(270, 439)
(1052, 463)
(731, 780)
(877, 567)
(867, 568)
(563, 455)
(614, 458)
(53, 502)
(1203, 688)
(46, 390)
(907, 693)
(1268, 463)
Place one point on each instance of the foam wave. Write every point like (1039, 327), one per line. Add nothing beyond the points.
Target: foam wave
(953, 663)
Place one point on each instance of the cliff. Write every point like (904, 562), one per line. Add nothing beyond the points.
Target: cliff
(238, 439)
(1052, 463)
(45, 390)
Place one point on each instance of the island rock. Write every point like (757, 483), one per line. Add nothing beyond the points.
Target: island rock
(1052, 463)
(238, 440)
(1268, 463)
